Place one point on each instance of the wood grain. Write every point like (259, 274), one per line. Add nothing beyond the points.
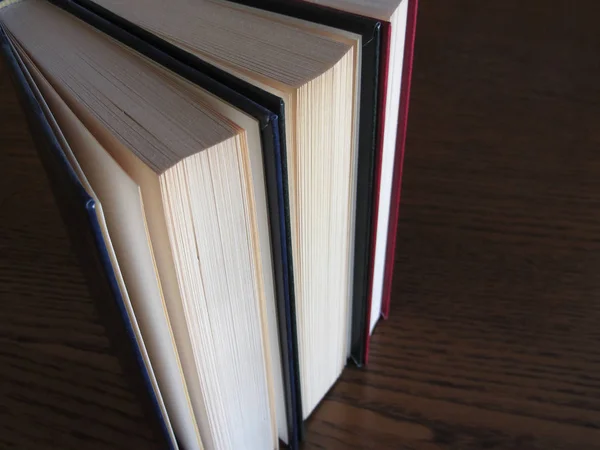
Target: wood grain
(494, 336)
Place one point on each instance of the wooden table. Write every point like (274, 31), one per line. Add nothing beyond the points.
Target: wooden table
(494, 336)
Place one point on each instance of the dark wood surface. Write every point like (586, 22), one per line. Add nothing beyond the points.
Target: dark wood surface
(494, 336)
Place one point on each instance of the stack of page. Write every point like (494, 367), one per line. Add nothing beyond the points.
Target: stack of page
(230, 175)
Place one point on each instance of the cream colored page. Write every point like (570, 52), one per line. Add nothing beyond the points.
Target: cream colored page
(255, 177)
(256, 180)
(283, 53)
(322, 263)
(203, 197)
(332, 33)
(262, 247)
(121, 200)
(160, 123)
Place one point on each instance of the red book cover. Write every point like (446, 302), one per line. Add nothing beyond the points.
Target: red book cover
(399, 158)
(386, 35)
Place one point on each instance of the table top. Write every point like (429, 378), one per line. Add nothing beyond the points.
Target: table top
(494, 334)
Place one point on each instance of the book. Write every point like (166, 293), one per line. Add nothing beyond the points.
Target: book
(105, 152)
(398, 20)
